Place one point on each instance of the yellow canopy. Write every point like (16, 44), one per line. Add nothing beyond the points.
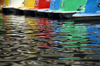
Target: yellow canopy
(6, 2)
(28, 4)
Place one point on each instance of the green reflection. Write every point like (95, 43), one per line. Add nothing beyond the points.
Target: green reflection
(1, 20)
(77, 32)
(1, 25)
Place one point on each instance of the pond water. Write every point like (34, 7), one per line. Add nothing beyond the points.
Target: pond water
(34, 41)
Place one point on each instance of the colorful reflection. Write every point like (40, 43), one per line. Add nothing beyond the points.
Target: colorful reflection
(43, 41)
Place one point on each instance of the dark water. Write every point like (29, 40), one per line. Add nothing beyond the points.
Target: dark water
(32, 41)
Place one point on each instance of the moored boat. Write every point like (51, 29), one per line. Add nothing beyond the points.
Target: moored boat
(54, 5)
(65, 9)
(92, 11)
(9, 8)
(39, 4)
(70, 7)
(22, 10)
(1, 5)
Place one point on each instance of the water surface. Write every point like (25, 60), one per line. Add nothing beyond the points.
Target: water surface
(33, 41)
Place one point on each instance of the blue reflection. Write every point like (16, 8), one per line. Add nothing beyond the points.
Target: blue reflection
(94, 33)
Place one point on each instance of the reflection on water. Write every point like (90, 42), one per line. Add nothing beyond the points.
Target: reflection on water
(32, 41)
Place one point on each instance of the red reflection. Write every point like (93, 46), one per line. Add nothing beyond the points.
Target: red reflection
(45, 27)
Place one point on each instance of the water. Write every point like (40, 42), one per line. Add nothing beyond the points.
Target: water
(33, 41)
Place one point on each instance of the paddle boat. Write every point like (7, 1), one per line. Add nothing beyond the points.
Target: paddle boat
(39, 4)
(6, 2)
(92, 11)
(54, 5)
(69, 7)
(31, 6)
(1, 5)
(10, 5)
(27, 4)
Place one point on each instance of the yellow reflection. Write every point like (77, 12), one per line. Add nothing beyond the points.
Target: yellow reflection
(31, 22)
(8, 20)
(7, 23)
(33, 26)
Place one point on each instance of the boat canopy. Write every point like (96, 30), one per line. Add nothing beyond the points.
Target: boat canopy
(92, 6)
(15, 3)
(29, 3)
(42, 4)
